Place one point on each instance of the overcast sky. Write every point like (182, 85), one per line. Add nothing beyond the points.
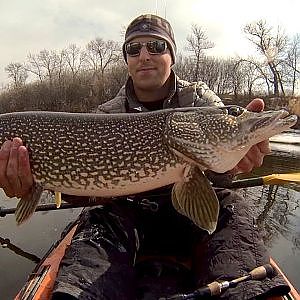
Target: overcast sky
(33, 25)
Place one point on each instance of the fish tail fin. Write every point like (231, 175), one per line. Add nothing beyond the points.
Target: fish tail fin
(28, 204)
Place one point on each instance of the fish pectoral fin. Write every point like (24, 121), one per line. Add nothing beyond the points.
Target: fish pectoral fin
(28, 204)
(196, 199)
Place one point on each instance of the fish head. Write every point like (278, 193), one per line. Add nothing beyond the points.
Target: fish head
(255, 127)
(217, 138)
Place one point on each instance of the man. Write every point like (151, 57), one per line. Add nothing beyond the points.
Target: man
(100, 262)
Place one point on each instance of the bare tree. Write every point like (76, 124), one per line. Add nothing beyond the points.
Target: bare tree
(47, 64)
(183, 67)
(17, 73)
(33, 66)
(293, 61)
(197, 43)
(224, 76)
(272, 46)
(252, 72)
(101, 54)
(49, 61)
(60, 66)
(210, 72)
(75, 58)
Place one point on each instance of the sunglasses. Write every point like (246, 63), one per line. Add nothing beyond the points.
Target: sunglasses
(153, 47)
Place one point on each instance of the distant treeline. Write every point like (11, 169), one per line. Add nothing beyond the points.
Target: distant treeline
(81, 94)
(80, 78)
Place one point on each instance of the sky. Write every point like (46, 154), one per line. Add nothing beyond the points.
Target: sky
(33, 25)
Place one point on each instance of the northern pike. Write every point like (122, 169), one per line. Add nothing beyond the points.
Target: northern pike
(111, 155)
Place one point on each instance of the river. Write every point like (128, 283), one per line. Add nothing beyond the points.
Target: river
(276, 207)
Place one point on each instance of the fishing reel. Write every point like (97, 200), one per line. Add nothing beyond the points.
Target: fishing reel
(217, 288)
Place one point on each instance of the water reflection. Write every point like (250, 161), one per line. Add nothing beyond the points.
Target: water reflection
(277, 212)
(277, 209)
(6, 243)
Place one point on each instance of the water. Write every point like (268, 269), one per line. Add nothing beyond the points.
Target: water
(290, 137)
(278, 207)
(277, 210)
(36, 236)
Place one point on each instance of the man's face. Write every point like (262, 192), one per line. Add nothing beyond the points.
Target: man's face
(149, 71)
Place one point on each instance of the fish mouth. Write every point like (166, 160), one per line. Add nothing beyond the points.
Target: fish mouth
(285, 120)
(280, 120)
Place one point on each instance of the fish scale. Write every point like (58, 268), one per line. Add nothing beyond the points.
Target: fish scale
(110, 155)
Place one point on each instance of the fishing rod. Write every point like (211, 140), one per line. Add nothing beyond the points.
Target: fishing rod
(273, 179)
(217, 288)
(225, 180)
(79, 202)
(46, 207)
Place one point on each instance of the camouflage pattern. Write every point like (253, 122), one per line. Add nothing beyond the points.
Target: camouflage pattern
(151, 25)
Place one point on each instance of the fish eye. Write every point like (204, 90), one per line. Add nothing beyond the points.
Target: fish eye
(234, 111)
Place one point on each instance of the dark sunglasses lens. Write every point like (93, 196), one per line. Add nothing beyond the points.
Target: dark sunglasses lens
(156, 47)
(133, 49)
(153, 47)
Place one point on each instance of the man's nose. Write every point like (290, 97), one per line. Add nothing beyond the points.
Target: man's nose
(144, 54)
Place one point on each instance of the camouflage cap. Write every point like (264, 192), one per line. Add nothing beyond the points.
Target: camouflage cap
(151, 25)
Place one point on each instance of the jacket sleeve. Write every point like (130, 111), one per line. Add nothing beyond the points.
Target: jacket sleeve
(206, 97)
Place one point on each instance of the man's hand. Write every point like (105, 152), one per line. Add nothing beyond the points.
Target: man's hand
(254, 157)
(15, 174)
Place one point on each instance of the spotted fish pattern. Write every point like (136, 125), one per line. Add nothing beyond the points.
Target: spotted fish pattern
(110, 155)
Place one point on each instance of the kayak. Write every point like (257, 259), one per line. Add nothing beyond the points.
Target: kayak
(40, 283)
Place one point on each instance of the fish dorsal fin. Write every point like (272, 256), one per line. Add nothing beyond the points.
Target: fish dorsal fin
(195, 198)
